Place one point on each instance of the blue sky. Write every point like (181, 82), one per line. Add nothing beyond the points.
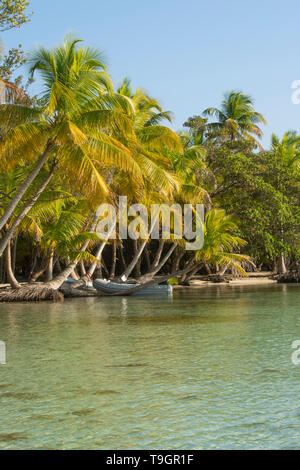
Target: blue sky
(186, 52)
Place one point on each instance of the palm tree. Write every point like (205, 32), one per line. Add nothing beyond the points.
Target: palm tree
(153, 143)
(76, 123)
(221, 247)
(63, 235)
(236, 118)
(287, 149)
(220, 244)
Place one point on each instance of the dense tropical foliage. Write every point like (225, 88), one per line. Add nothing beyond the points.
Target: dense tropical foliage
(82, 142)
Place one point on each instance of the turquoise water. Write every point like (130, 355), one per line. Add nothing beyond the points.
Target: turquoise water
(210, 368)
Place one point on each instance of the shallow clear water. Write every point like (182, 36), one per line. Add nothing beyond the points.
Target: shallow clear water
(210, 368)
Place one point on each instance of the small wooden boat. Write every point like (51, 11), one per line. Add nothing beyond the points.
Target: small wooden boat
(109, 288)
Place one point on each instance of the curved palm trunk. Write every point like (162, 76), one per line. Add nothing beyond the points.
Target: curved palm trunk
(58, 281)
(82, 268)
(178, 257)
(58, 265)
(137, 269)
(49, 275)
(34, 258)
(2, 270)
(147, 257)
(8, 236)
(30, 178)
(123, 262)
(190, 266)
(114, 261)
(165, 259)
(155, 271)
(158, 255)
(207, 267)
(101, 247)
(137, 255)
(74, 274)
(14, 254)
(223, 271)
(9, 272)
(100, 250)
(192, 273)
(37, 274)
(98, 255)
(133, 263)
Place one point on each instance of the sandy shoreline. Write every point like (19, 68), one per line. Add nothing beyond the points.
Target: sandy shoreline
(237, 282)
(252, 280)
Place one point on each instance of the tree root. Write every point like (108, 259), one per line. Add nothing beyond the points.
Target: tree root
(31, 294)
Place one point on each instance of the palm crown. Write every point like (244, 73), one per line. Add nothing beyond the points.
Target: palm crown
(236, 117)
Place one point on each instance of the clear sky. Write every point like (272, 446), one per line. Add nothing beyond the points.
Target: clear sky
(186, 52)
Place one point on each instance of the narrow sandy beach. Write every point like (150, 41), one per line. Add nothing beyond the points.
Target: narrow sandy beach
(252, 280)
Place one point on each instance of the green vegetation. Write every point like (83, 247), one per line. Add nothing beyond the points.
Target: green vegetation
(83, 142)
(13, 14)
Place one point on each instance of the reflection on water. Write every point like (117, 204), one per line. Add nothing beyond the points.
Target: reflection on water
(210, 368)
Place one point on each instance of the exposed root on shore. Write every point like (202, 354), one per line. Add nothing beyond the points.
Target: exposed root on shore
(291, 277)
(31, 294)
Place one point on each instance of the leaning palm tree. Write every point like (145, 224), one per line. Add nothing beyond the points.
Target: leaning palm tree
(62, 234)
(236, 118)
(149, 146)
(153, 143)
(78, 124)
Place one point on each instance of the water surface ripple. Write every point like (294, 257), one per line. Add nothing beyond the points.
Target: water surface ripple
(209, 369)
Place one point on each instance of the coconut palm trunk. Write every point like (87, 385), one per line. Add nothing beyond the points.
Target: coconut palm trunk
(158, 268)
(134, 262)
(49, 271)
(165, 259)
(137, 269)
(192, 273)
(82, 268)
(190, 266)
(138, 254)
(10, 233)
(58, 281)
(114, 261)
(178, 257)
(122, 258)
(9, 272)
(38, 274)
(147, 258)
(100, 251)
(158, 255)
(223, 271)
(27, 183)
(14, 254)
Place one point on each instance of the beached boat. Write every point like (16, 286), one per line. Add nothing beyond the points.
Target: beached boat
(109, 288)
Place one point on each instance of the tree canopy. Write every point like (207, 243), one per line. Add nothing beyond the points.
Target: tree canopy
(13, 14)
